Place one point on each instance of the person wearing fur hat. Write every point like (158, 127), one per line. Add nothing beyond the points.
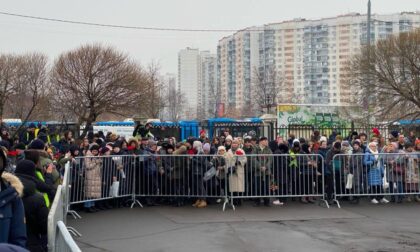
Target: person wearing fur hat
(236, 160)
(36, 211)
(93, 178)
(228, 142)
(12, 224)
(133, 146)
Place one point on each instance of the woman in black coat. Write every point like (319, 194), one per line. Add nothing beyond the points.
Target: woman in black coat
(36, 211)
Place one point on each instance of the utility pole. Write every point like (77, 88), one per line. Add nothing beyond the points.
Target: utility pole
(368, 52)
(368, 22)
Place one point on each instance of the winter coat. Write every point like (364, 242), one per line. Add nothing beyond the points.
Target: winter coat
(220, 161)
(412, 170)
(54, 177)
(36, 215)
(150, 163)
(263, 158)
(281, 167)
(236, 179)
(199, 164)
(375, 169)
(93, 180)
(334, 164)
(181, 163)
(395, 166)
(356, 162)
(12, 213)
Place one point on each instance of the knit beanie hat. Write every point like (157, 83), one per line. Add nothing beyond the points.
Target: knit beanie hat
(206, 147)
(37, 144)
(25, 167)
(197, 145)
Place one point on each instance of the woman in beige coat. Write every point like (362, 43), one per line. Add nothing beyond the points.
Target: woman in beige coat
(93, 180)
(235, 163)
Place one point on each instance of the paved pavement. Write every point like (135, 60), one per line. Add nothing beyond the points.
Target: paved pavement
(294, 227)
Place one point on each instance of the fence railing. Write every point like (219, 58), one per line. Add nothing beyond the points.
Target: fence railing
(178, 177)
(59, 238)
(376, 175)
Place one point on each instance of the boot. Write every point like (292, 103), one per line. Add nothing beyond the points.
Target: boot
(196, 203)
(202, 204)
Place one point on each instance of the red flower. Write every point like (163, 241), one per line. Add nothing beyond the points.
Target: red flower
(239, 152)
(376, 131)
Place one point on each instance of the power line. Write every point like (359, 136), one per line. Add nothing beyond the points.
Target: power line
(113, 25)
(258, 29)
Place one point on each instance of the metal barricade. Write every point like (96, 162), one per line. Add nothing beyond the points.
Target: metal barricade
(56, 214)
(64, 241)
(392, 173)
(66, 187)
(180, 179)
(278, 176)
(95, 178)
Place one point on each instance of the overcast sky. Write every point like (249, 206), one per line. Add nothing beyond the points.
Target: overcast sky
(24, 35)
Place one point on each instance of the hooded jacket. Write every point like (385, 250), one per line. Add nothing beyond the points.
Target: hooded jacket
(36, 214)
(12, 213)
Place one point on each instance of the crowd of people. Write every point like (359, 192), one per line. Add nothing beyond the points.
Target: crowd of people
(198, 171)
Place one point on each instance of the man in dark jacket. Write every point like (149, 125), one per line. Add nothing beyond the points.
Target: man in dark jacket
(261, 165)
(12, 213)
(29, 135)
(333, 166)
(36, 211)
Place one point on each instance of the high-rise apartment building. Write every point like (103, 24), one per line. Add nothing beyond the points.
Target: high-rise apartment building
(189, 78)
(207, 90)
(238, 59)
(309, 55)
(197, 79)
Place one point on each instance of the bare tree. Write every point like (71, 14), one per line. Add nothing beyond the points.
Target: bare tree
(266, 87)
(386, 77)
(151, 92)
(213, 97)
(30, 87)
(10, 65)
(93, 80)
(175, 103)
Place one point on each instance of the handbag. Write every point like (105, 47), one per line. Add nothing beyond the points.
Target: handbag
(113, 192)
(349, 184)
(209, 174)
(385, 183)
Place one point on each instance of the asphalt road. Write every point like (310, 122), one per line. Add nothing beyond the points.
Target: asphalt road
(294, 227)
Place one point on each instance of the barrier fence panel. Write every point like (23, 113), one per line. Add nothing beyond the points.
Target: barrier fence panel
(384, 177)
(55, 215)
(179, 178)
(94, 178)
(278, 176)
(64, 241)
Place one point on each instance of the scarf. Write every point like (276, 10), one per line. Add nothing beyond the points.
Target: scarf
(375, 153)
